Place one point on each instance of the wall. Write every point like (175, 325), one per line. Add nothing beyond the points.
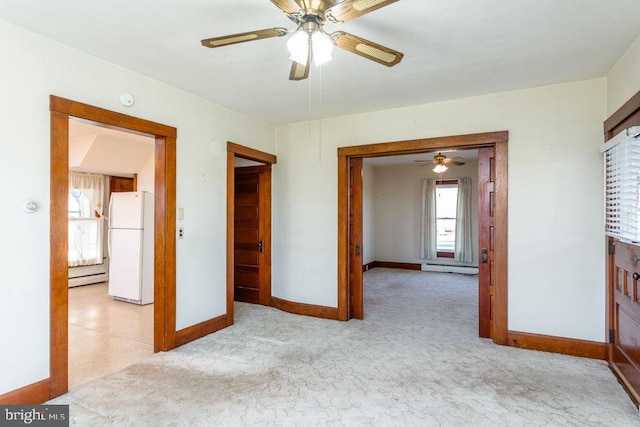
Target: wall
(33, 68)
(368, 214)
(146, 175)
(624, 79)
(398, 207)
(555, 225)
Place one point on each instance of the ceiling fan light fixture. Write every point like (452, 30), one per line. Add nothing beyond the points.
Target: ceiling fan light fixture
(322, 46)
(298, 46)
(440, 168)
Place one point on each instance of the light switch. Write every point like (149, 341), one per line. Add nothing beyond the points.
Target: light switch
(180, 213)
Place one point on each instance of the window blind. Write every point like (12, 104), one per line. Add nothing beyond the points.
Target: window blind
(622, 185)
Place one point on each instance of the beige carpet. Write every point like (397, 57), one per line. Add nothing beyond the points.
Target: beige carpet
(414, 361)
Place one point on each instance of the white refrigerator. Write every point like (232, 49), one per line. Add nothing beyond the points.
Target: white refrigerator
(131, 234)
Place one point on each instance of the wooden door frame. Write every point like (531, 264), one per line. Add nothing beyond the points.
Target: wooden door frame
(235, 150)
(499, 141)
(164, 316)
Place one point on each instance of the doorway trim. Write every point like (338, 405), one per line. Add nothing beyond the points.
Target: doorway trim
(235, 150)
(164, 237)
(499, 141)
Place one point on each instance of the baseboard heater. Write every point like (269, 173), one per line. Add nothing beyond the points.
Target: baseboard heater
(88, 280)
(449, 269)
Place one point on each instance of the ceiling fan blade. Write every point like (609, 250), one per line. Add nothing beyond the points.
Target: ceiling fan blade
(290, 7)
(351, 9)
(244, 37)
(458, 161)
(299, 71)
(367, 49)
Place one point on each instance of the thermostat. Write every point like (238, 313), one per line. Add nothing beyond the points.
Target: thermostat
(30, 206)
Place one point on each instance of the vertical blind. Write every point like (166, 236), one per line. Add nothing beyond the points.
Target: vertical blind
(622, 185)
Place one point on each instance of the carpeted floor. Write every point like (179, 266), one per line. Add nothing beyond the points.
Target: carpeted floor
(414, 361)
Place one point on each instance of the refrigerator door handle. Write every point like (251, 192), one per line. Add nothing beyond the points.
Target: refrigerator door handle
(109, 244)
(110, 209)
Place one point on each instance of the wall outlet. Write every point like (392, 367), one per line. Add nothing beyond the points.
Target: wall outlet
(180, 232)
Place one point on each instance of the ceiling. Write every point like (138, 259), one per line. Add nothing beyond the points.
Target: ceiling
(453, 49)
(107, 151)
(418, 158)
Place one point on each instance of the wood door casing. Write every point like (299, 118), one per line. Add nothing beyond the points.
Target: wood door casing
(625, 333)
(61, 111)
(499, 141)
(252, 273)
(356, 306)
(486, 239)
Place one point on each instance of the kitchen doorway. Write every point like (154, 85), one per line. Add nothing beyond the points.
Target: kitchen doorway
(164, 227)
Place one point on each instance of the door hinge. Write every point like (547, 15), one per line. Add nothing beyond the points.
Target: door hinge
(612, 336)
(612, 248)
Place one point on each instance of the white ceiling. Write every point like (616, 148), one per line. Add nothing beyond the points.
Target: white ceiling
(107, 151)
(453, 49)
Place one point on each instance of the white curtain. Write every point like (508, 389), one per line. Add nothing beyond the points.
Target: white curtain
(428, 243)
(463, 248)
(86, 224)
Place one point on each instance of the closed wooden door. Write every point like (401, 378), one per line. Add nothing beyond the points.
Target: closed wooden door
(486, 240)
(355, 239)
(252, 235)
(624, 354)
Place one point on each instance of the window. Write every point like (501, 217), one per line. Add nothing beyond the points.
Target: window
(446, 209)
(622, 191)
(85, 219)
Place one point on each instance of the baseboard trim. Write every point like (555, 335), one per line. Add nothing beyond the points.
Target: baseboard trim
(551, 344)
(369, 266)
(305, 309)
(32, 394)
(400, 265)
(192, 333)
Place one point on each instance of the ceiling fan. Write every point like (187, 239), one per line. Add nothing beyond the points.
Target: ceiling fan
(441, 161)
(311, 41)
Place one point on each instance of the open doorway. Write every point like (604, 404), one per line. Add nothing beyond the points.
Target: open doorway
(492, 213)
(418, 218)
(164, 226)
(110, 303)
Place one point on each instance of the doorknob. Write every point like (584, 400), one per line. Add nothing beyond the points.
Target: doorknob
(636, 276)
(485, 256)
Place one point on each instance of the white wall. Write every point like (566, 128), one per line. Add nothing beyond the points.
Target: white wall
(32, 69)
(368, 213)
(147, 174)
(398, 209)
(624, 79)
(556, 250)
